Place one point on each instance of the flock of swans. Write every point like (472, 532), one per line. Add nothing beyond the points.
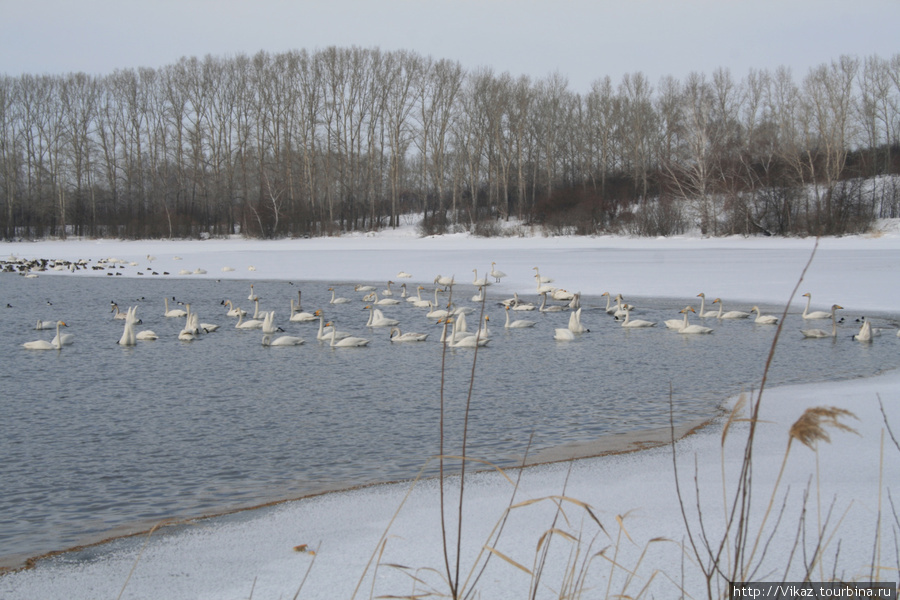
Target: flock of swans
(447, 312)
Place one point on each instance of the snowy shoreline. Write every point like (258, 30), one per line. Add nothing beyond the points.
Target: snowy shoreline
(223, 557)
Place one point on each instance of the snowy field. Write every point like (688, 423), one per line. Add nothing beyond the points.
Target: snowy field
(359, 537)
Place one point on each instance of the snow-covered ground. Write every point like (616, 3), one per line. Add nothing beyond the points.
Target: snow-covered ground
(845, 482)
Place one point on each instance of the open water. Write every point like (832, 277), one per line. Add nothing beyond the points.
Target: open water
(98, 440)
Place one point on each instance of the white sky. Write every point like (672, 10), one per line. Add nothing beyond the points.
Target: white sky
(582, 39)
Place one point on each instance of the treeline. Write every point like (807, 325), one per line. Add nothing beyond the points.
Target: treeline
(346, 139)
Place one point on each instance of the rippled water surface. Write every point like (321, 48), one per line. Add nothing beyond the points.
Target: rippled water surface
(100, 439)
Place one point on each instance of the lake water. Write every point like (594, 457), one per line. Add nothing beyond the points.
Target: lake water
(98, 439)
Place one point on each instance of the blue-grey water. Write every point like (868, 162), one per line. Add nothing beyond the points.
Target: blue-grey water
(98, 439)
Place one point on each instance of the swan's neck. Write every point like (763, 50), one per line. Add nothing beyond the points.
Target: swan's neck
(507, 317)
(806, 310)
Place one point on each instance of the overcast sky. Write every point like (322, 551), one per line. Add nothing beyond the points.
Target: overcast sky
(582, 39)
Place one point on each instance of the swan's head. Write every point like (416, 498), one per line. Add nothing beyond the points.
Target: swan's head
(318, 312)
(807, 295)
(717, 300)
(836, 307)
(701, 295)
(604, 294)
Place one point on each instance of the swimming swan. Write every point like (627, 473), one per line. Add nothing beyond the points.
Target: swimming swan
(763, 319)
(337, 300)
(348, 342)
(518, 323)
(285, 340)
(731, 314)
(865, 333)
(297, 314)
(377, 318)
(819, 333)
(819, 314)
(563, 334)
(175, 312)
(44, 344)
(575, 325)
(249, 324)
(703, 313)
(397, 336)
(687, 329)
(636, 323)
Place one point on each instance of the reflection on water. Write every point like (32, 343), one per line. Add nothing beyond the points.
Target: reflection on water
(99, 438)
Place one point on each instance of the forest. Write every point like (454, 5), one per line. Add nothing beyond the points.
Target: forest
(303, 143)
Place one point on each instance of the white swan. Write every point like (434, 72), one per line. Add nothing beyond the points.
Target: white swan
(437, 313)
(348, 342)
(285, 340)
(466, 341)
(818, 314)
(269, 325)
(232, 311)
(552, 308)
(865, 333)
(621, 307)
(128, 335)
(688, 329)
(326, 333)
(146, 335)
(479, 295)
(819, 333)
(561, 294)
(540, 278)
(337, 300)
(680, 323)
(610, 309)
(518, 323)
(362, 288)
(403, 275)
(575, 325)
(563, 334)
(117, 313)
(45, 324)
(377, 318)
(388, 291)
(419, 302)
(397, 336)
(252, 295)
(479, 282)
(259, 314)
(763, 319)
(383, 301)
(519, 304)
(44, 344)
(496, 273)
(405, 293)
(705, 314)
(175, 312)
(297, 314)
(637, 322)
(444, 280)
(249, 324)
(731, 314)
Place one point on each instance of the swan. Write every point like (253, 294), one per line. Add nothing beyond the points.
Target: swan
(388, 291)
(403, 275)
(326, 333)
(467, 341)
(575, 302)
(118, 314)
(252, 295)
(495, 273)
(636, 323)
(479, 282)
(443, 280)
(865, 333)
(232, 311)
(410, 336)
(575, 325)
(543, 287)
(348, 342)
(692, 328)
(437, 313)
(383, 301)
(563, 334)
(819, 333)
(377, 318)
(819, 314)
(185, 335)
(704, 314)
(540, 278)
(479, 296)
(405, 293)
(45, 324)
(731, 314)
(249, 324)
(269, 325)
(763, 319)
(146, 335)
(175, 312)
(259, 314)
(227, 269)
(297, 314)
(621, 307)
(362, 288)
(552, 308)
(610, 309)
(337, 300)
(63, 339)
(518, 323)
(561, 294)
(520, 305)
(285, 340)
(128, 335)
(418, 302)
(44, 344)
(680, 323)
